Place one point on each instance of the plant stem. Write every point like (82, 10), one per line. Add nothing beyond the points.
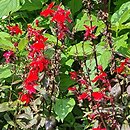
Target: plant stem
(94, 46)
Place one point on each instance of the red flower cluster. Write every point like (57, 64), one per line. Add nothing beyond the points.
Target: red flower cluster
(72, 89)
(73, 75)
(98, 128)
(121, 68)
(59, 16)
(89, 32)
(38, 62)
(83, 96)
(25, 97)
(14, 30)
(80, 80)
(97, 96)
(102, 76)
(37, 22)
(48, 11)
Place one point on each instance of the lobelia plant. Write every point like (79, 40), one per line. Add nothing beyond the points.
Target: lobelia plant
(65, 66)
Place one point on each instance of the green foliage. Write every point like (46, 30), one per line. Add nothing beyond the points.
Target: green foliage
(120, 17)
(5, 106)
(84, 20)
(5, 72)
(105, 59)
(74, 5)
(121, 42)
(31, 5)
(5, 41)
(9, 6)
(78, 49)
(52, 39)
(63, 107)
(22, 44)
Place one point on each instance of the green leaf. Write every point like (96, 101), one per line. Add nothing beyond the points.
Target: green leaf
(105, 59)
(91, 64)
(121, 16)
(8, 119)
(5, 87)
(22, 44)
(85, 21)
(75, 5)
(65, 82)
(122, 26)
(5, 72)
(6, 44)
(32, 5)
(49, 53)
(118, 3)
(44, 1)
(9, 6)
(78, 49)
(5, 127)
(52, 39)
(121, 42)
(80, 23)
(4, 35)
(63, 107)
(21, 124)
(5, 107)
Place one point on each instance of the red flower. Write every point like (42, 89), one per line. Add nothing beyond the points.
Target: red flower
(14, 29)
(61, 15)
(84, 95)
(48, 11)
(38, 46)
(121, 68)
(25, 97)
(62, 30)
(37, 22)
(72, 88)
(40, 38)
(32, 32)
(98, 96)
(89, 32)
(8, 55)
(98, 128)
(40, 63)
(32, 76)
(82, 81)
(101, 76)
(30, 87)
(100, 68)
(73, 75)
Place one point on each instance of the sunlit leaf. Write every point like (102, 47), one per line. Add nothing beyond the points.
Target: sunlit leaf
(22, 44)
(5, 72)
(121, 16)
(63, 107)
(78, 49)
(9, 6)
(5, 107)
(8, 119)
(105, 59)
